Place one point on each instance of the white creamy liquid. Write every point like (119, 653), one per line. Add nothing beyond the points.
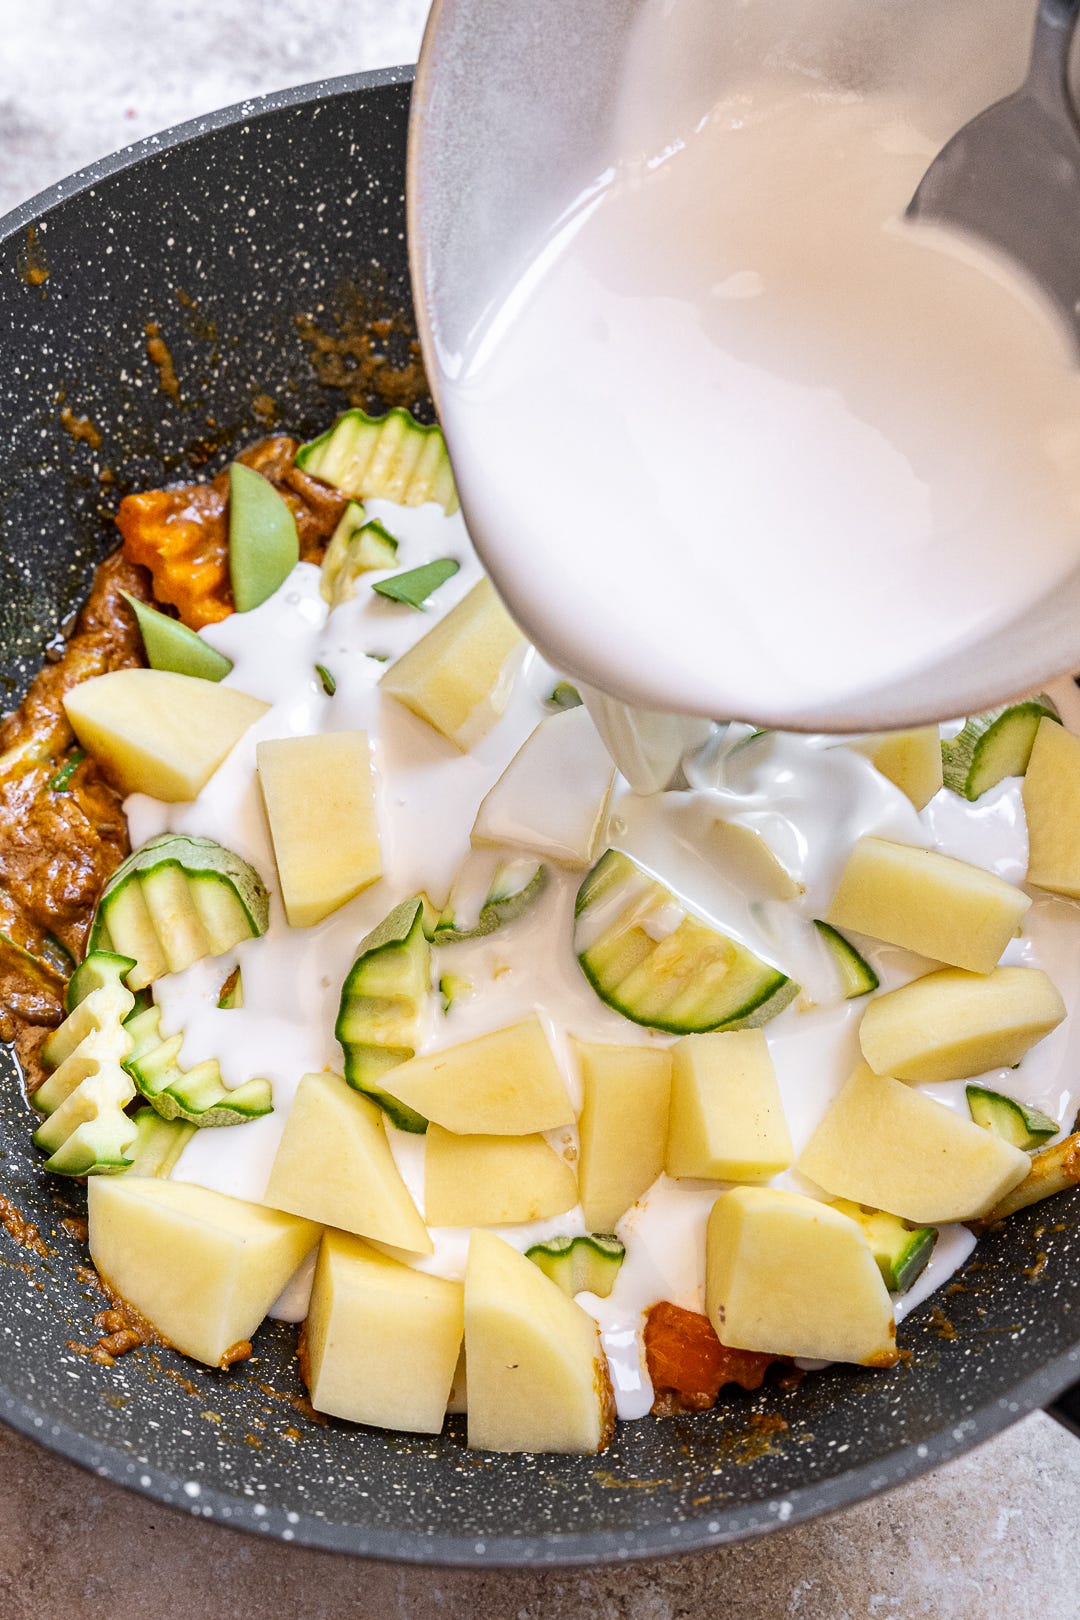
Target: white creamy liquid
(809, 796)
(836, 446)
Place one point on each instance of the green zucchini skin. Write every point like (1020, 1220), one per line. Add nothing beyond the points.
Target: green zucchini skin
(392, 457)
(85, 1130)
(993, 746)
(1024, 1127)
(691, 980)
(510, 894)
(857, 977)
(198, 1096)
(158, 1145)
(902, 1252)
(383, 1002)
(580, 1265)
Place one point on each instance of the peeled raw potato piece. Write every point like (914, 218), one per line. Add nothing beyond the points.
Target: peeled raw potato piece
(537, 1375)
(334, 1165)
(1052, 805)
(457, 676)
(911, 760)
(564, 825)
(884, 1144)
(503, 1084)
(320, 803)
(953, 1024)
(382, 1340)
(786, 1275)
(203, 1268)
(930, 903)
(622, 1128)
(491, 1180)
(758, 868)
(157, 732)
(727, 1120)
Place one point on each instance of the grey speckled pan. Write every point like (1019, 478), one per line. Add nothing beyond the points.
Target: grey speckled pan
(224, 232)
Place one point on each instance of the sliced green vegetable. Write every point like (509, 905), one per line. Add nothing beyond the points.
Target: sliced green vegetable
(61, 781)
(993, 746)
(383, 1002)
(99, 969)
(857, 977)
(506, 894)
(329, 685)
(198, 1096)
(171, 645)
(416, 584)
(175, 900)
(356, 547)
(158, 1144)
(86, 1130)
(96, 1015)
(392, 457)
(232, 992)
(1013, 1121)
(565, 696)
(580, 1265)
(902, 1252)
(90, 1134)
(452, 987)
(263, 544)
(660, 966)
(56, 953)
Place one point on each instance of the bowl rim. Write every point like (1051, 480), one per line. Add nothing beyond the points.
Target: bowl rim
(711, 1528)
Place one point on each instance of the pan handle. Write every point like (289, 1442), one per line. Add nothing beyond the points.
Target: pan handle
(1066, 1409)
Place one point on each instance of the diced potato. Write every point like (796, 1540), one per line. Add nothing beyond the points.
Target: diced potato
(458, 677)
(159, 733)
(334, 1165)
(953, 1024)
(382, 1339)
(930, 903)
(521, 809)
(785, 1275)
(458, 1399)
(911, 760)
(622, 1127)
(491, 1180)
(1051, 792)
(503, 1084)
(203, 1268)
(320, 802)
(538, 1377)
(759, 870)
(727, 1119)
(884, 1144)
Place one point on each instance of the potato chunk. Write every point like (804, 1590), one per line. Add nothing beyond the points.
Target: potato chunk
(786, 1275)
(930, 903)
(953, 1024)
(320, 803)
(727, 1120)
(489, 1180)
(1052, 806)
(622, 1128)
(884, 1144)
(382, 1340)
(458, 677)
(157, 732)
(537, 1375)
(334, 1165)
(911, 760)
(503, 1084)
(203, 1268)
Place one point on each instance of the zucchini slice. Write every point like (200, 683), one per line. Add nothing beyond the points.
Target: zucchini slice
(482, 899)
(158, 1143)
(90, 1134)
(176, 900)
(902, 1252)
(85, 1131)
(993, 746)
(392, 457)
(383, 1002)
(357, 546)
(580, 1265)
(650, 959)
(857, 977)
(1013, 1121)
(197, 1096)
(231, 994)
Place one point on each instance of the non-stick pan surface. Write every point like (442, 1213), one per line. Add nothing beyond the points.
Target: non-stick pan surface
(254, 239)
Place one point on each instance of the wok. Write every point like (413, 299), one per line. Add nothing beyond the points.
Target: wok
(224, 232)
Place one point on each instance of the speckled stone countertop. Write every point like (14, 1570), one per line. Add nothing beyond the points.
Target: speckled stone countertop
(994, 1531)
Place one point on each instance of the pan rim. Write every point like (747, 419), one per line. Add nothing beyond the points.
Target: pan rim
(716, 1528)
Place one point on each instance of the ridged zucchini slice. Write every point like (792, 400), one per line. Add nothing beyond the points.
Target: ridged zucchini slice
(383, 1006)
(580, 1265)
(392, 457)
(857, 977)
(357, 546)
(650, 959)
(1026, 1128)
(158, 1143)
(485, 895)
(993, 746)
(85, 1131)
(902, 1251)
(197, 1096)
(176, 900)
